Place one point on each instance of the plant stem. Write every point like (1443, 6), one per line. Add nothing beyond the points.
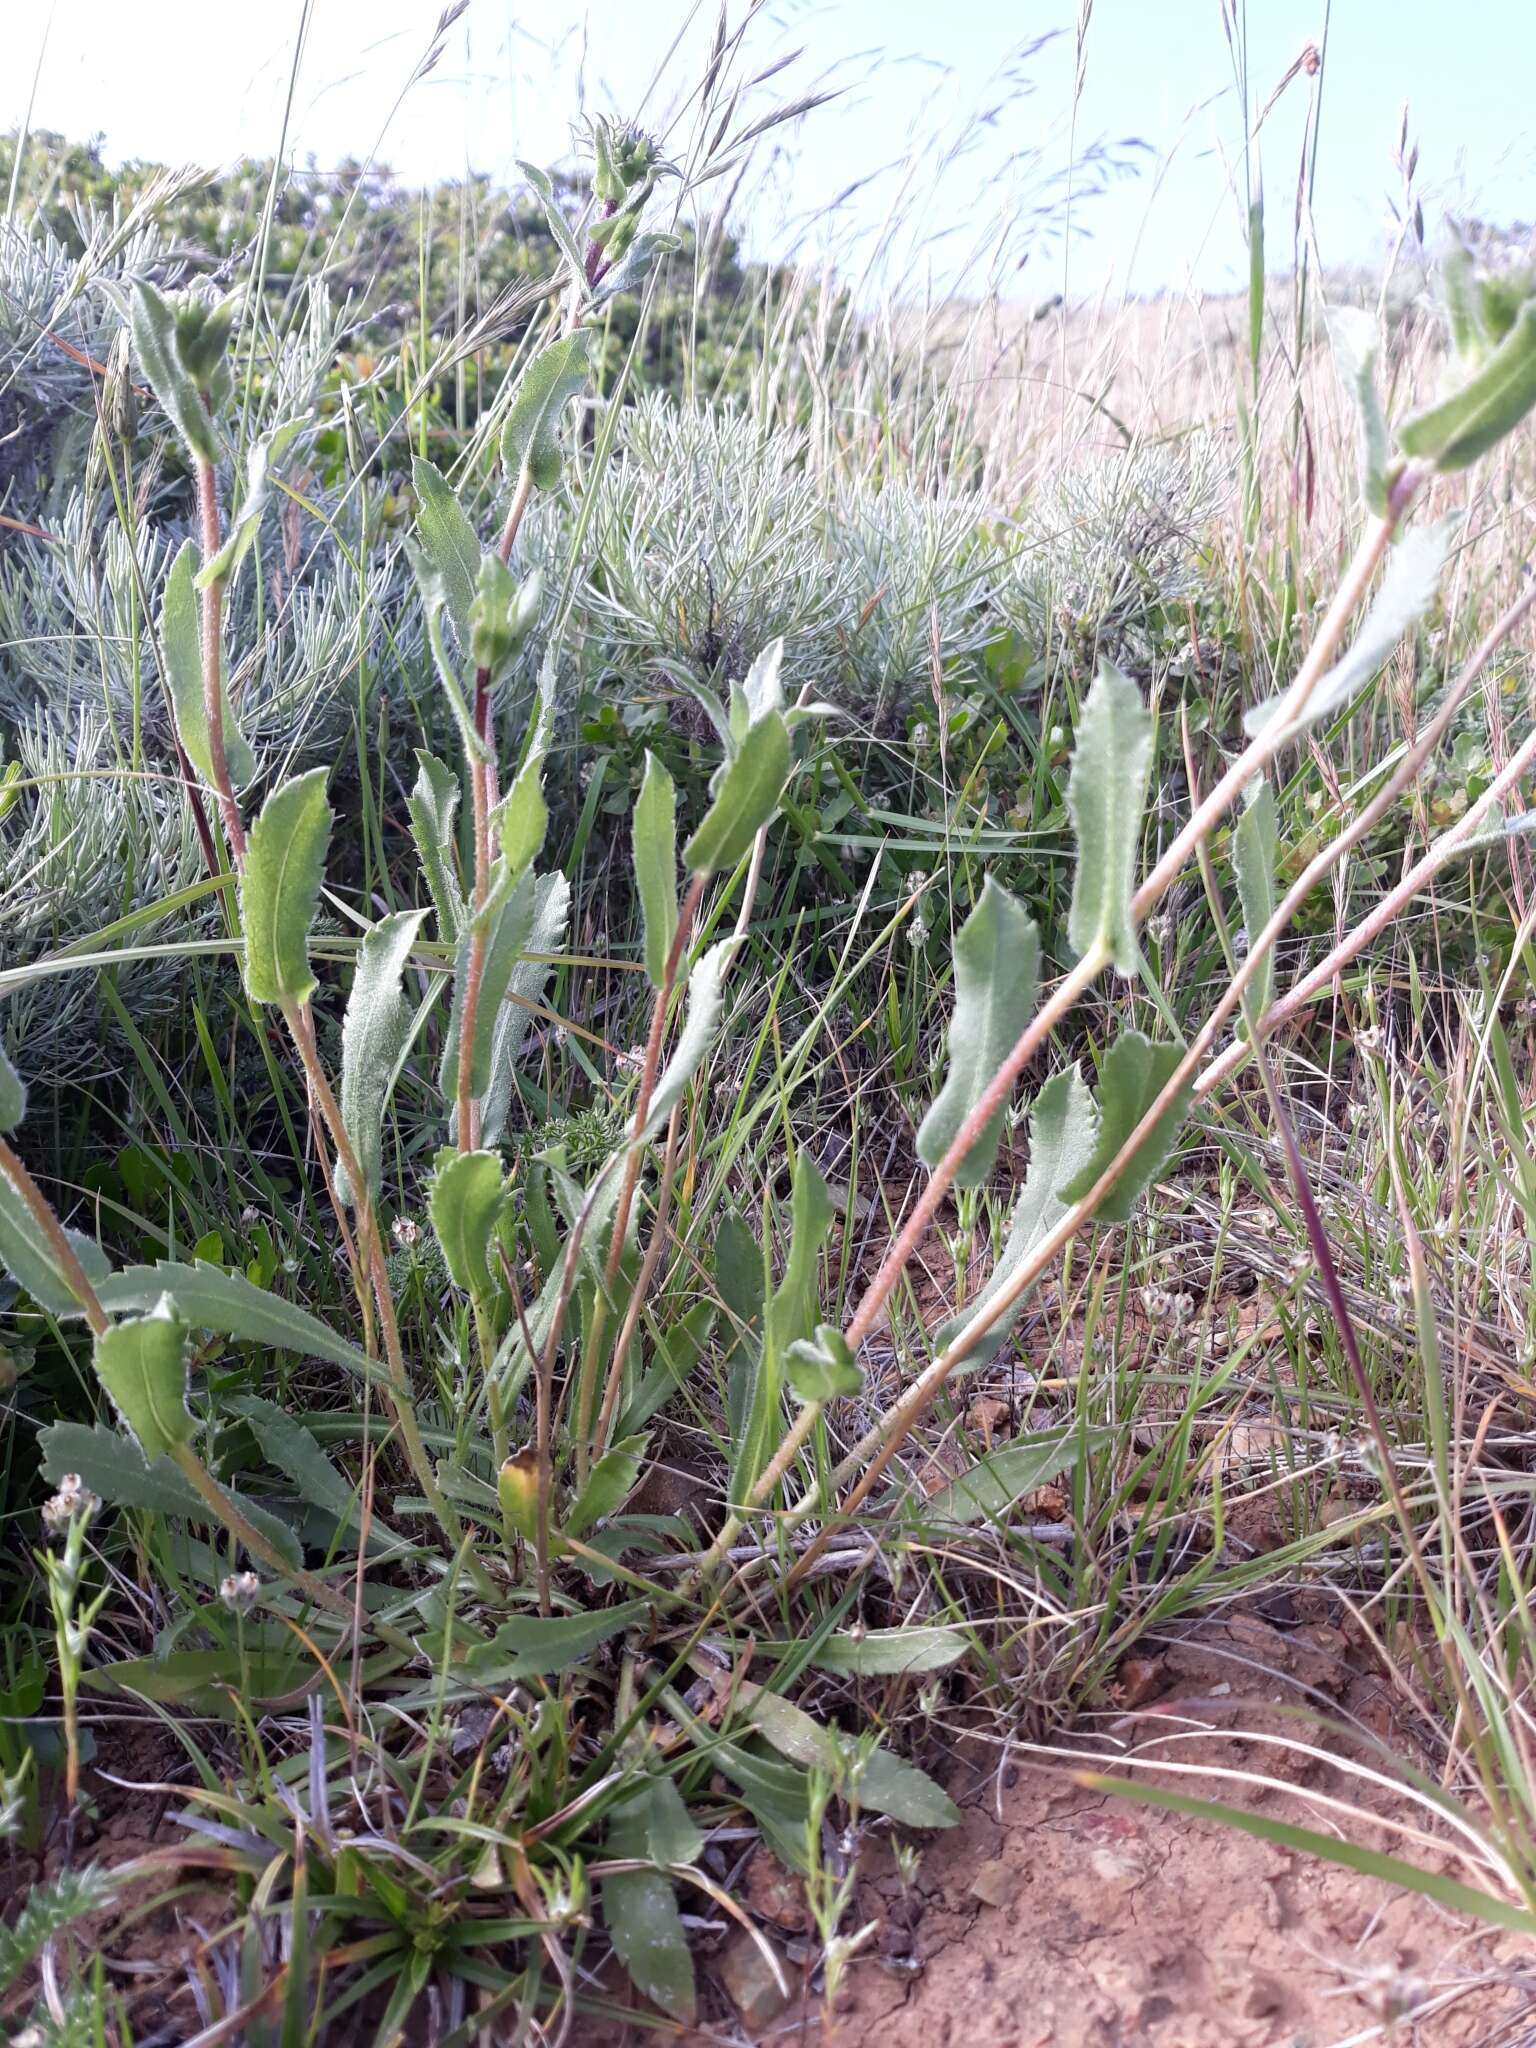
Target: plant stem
(213, 664)
(57, 1236)
(401, 1401)
(586, 1392)
(642, 1284)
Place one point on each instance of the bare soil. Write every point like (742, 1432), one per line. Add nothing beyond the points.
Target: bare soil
(1057, 1917)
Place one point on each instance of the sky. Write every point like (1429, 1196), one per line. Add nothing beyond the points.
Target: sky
(1137, 143)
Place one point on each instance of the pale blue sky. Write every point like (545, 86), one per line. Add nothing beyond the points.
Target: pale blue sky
(190, 80)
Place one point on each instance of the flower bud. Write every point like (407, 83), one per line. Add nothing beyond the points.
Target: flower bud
(517, 1488)
(503, 614)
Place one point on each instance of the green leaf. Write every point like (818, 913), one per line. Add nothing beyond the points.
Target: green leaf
(1062, 1125)
(202, 1681)
(27, 1254)
(432, 805)
(640, 1908)
(888, 1652)
(1106, 796)
(288, 1445)
(13, 1094)
(502, 616)
(112, 1467)
(676, 1352)
(535, 1646)
(210, 1299)
(997, 963)
(153, 326)
(1356, 343)
(1490, 405)
(142, 1363)
(1134, 1073)
(247, 521)
(551, 911)
(882, 1784)
(988, 1491)
(633, 268)
(520, 821)
(509, 924)
(181, 643)
(775, 1794)
(612, 1481)
(530, 443)
(47, 1911)
(790, 1315)
(449, 543)
(1407, 591)
(822, 1368)
(1255, 846)
(465, 1204)
(742, 1284)
(373, 1043)
(655, 852)
(706, 1003)
(280, 889)
(745, 797)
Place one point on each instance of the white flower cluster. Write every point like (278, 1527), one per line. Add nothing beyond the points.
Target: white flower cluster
(73, 1501)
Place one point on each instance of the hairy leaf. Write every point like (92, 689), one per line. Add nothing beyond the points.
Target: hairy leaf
(432, 805)
(530, 440)
(640, 1908)
(208, 1681)
(1134, 1073)
(288, 1446)
(882, 1652)
(790, 1315)
(745, 797)
(706, 1002)
(612, 1481)
(247, 521)
(1407, 591)
(181, 643)
(1062, 1126)
(1255, 846)
(655, 852)
(534, 1646)
(1490, 404)
(465, 1203)
(280, 889)
(373, 1043)
(13, 1094)
(28, 1255)
(114, 1468)
(508, 926)
(521, 820)
(153, 325)
(551, 911)
(1106, 796)
(210, 1299)
(991, 1487)
(449, 543)
(142, 1363)
(997, 963)
(882, 1784)
(1356, 344)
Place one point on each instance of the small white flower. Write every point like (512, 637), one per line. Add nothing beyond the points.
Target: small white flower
(405, 1231)
(240, 1591)
(73, 1500)
(917, 933)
